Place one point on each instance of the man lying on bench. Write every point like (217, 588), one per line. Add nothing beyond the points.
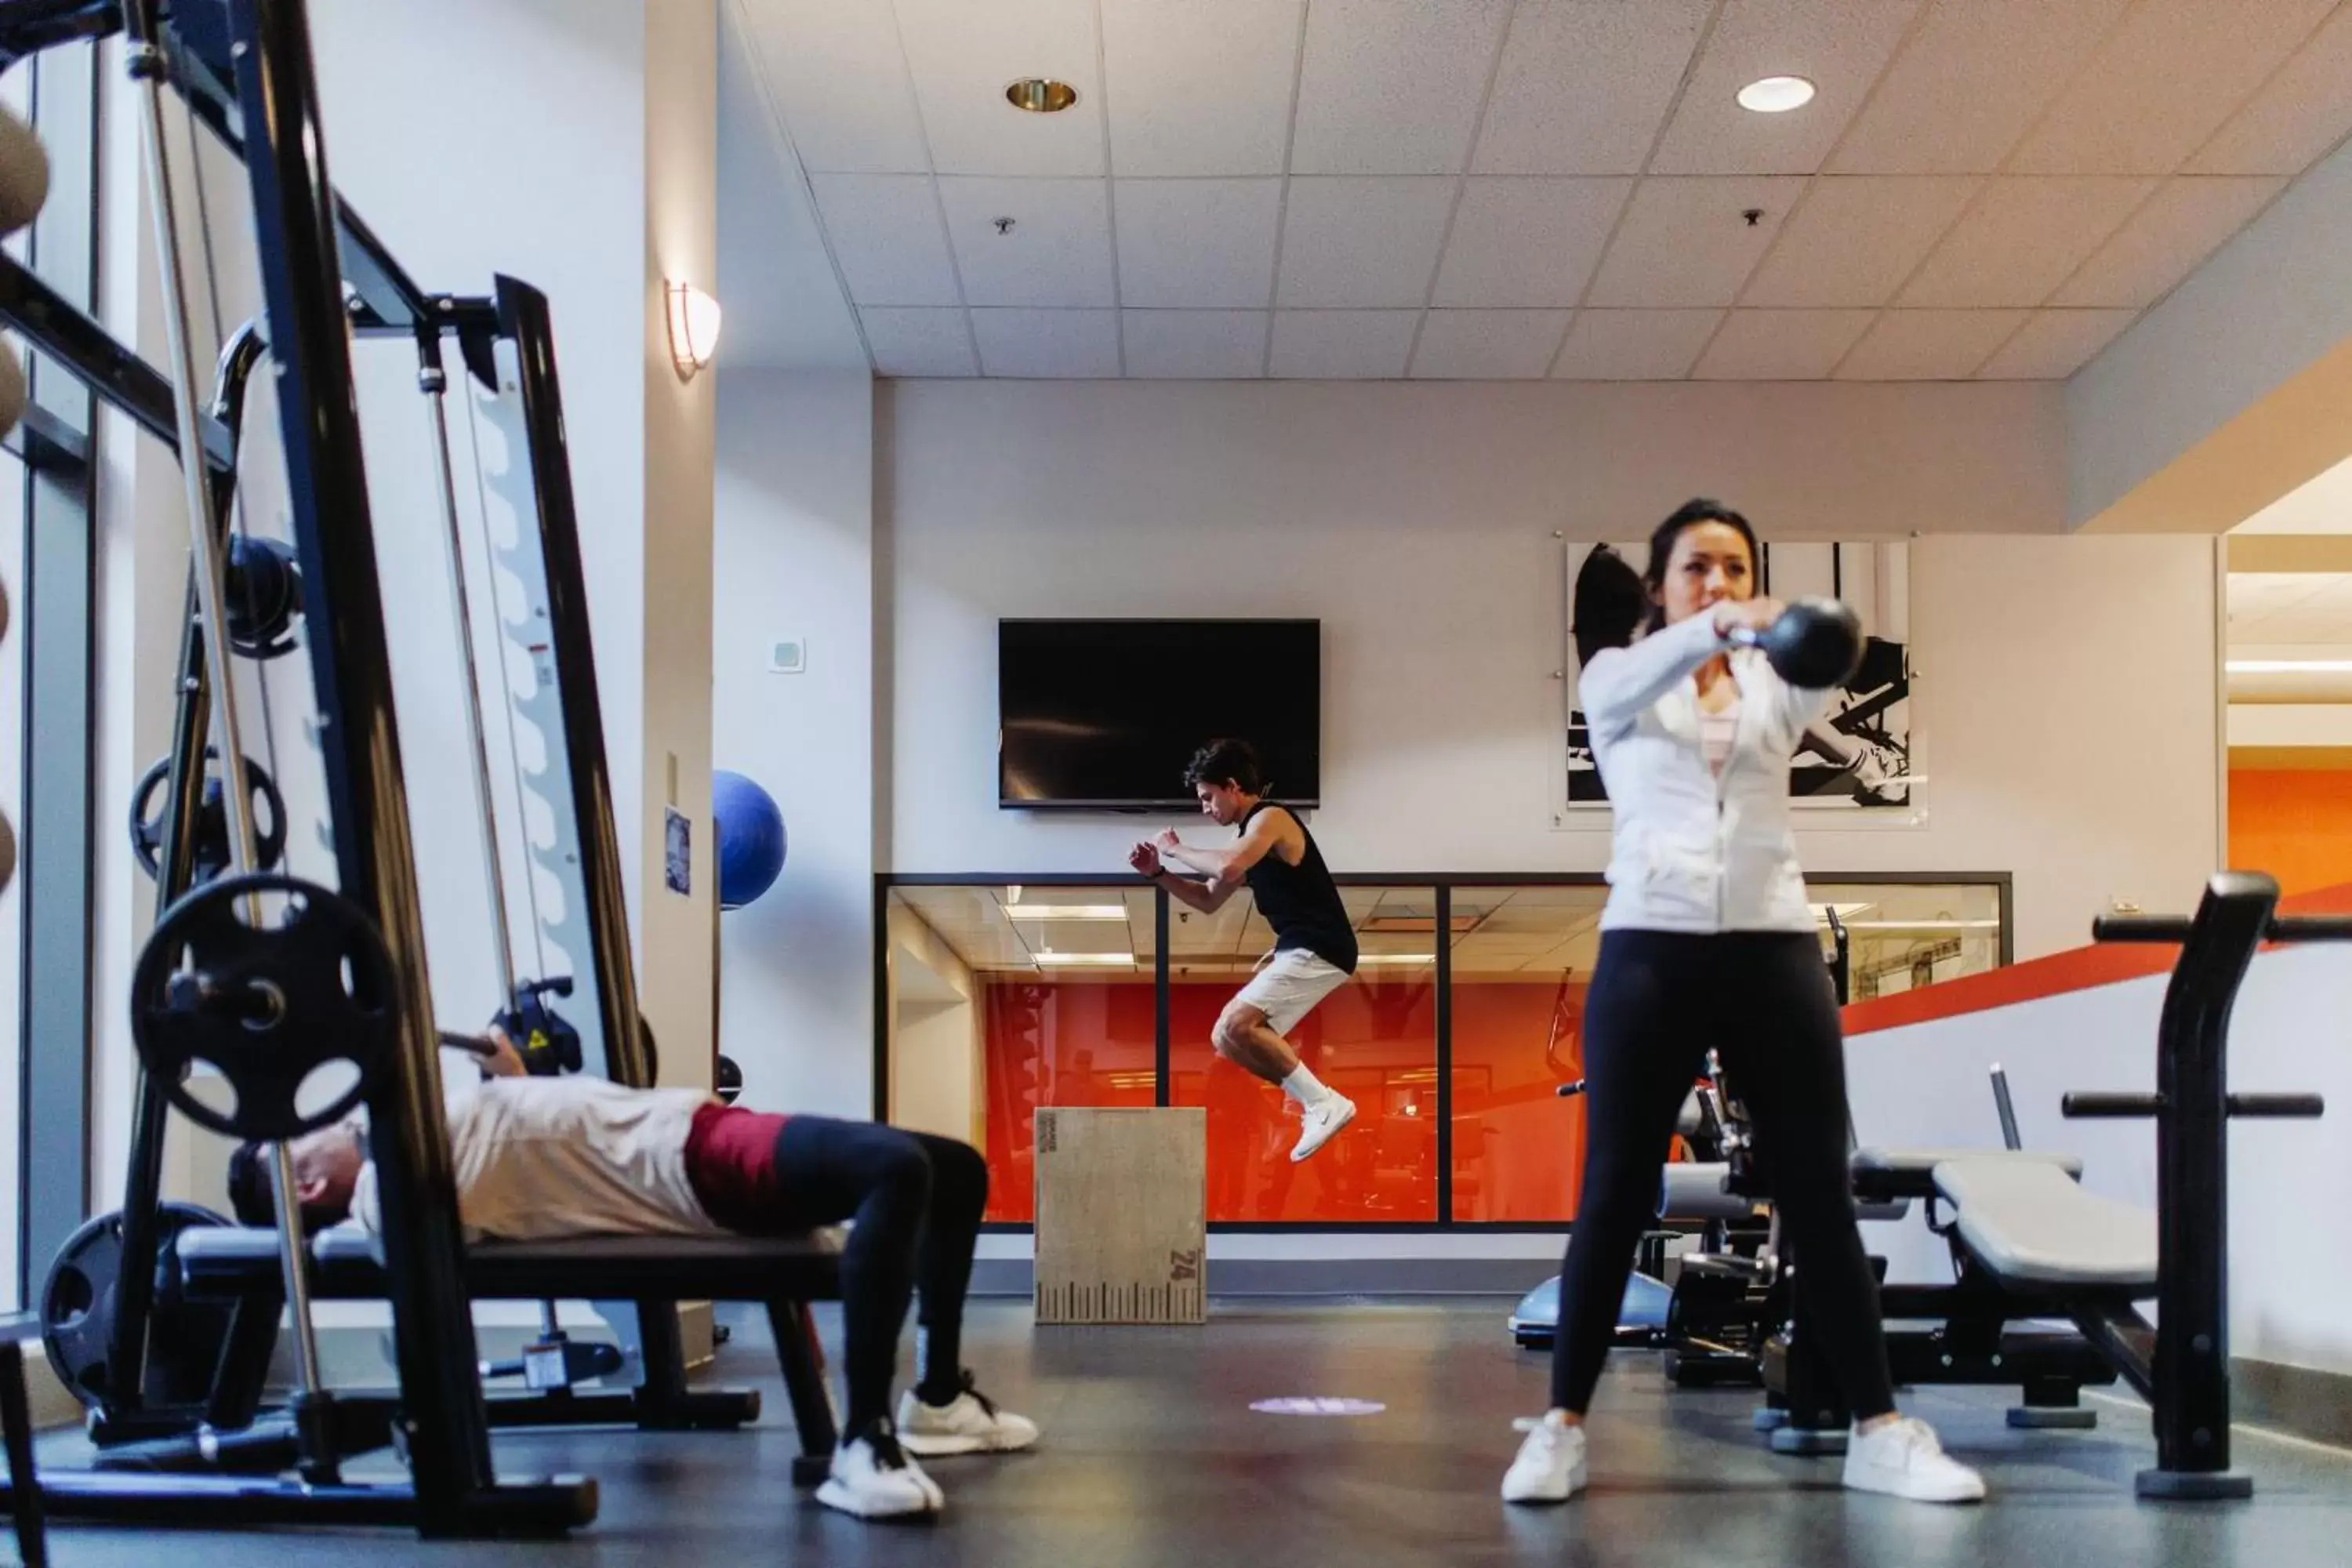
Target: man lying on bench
(539, 1158)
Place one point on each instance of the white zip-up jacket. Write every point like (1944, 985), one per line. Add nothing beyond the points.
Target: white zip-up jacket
(1697, 852)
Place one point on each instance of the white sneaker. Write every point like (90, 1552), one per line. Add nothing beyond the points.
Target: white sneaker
(1550, 1466)
(873, 1478)
(1319, 1121)
(1904, 1459)
(969, 1424)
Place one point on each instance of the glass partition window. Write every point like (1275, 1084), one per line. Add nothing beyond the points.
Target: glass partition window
(1900, 936)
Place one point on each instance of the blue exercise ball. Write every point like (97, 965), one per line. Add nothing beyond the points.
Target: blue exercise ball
(751, 838)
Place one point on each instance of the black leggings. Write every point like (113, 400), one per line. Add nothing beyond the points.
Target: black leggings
(917, 1200)
(1762, 999)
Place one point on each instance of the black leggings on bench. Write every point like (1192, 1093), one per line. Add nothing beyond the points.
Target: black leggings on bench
(1761, 999)
(917, 1200)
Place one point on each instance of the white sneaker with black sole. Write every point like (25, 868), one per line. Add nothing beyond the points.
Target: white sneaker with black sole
(1550, 1466)
(873, 1478)
(1320, 1120)
(1904, 1459)
(969, 1424)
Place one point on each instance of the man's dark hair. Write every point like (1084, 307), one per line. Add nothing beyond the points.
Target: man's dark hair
(1226, 761)
(249, 1191)
(1689, 515)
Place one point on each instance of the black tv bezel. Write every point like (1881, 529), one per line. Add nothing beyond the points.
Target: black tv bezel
(1177, 802)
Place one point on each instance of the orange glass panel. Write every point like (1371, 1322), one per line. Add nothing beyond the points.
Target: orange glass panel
(1518, 1148)
(1056, 1042)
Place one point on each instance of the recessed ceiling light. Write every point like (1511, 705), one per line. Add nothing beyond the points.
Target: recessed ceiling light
(1776, 94)
(1042, 95)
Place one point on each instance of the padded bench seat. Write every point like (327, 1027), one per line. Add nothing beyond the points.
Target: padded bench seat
(1883, 1174)
(2029, 1223)
(230, 1260)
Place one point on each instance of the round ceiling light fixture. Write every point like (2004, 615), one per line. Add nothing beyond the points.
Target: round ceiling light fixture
(1776, 94)
(1041, 95)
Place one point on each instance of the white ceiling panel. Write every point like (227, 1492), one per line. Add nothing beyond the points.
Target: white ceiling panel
(1201, 88)
(1839, 45)
(1684, 242)
(1928, 345)
(1781, 345)
(2299, 113)
(1362, 242)
(1057, 254)
(1527, 241)
(963, 56)
(1584, 85)
(2168, 76)
(2054, 344)
(1048, 343)
(1342, 345)
(886, 234)
(2022, 239)
(1196, 345)
(1392, 86)
(1970, 84)
(2182, 224)
(1633, 345)
(1487, 345)
(1855, 239)
(1197, 242)
(918, 342)
(839, 78)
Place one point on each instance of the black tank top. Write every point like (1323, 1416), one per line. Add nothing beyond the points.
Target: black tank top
(1300, 902)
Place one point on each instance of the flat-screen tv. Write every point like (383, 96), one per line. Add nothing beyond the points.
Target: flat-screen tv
(1103, 715)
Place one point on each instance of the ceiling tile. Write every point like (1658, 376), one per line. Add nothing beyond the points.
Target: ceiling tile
(1362, 242)
(1197, 242)
(1683, 241)
(1855, 239)
(963, 56)
(918, 342)
(1392, 86)
(1487, 345)
(1839, 45)
(1928, 345)
(1633, 345)
(2182, 224)
(1342, 345)
(2299, 113)
(1781, 345)
(1584, 85)
(1197, 346)
(1202, 87)
(885, 232)
(2022, 239)
(2054, 344)
(1527, 241)
(1048, 343)
(2168, 76)
(838, 76)
(1057, 254)
(1969, 83)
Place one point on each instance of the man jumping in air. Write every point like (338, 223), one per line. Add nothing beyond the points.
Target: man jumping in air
(1313, 941)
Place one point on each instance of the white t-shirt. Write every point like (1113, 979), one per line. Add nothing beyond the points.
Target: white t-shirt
(538, 1158)
(1717, 734)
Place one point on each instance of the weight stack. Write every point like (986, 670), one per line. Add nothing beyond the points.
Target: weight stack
(1122, 1215)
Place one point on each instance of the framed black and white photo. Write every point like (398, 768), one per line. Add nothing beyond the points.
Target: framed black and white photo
(1857, 756)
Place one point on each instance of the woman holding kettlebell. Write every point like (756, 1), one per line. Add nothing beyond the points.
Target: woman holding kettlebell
(1709, 940)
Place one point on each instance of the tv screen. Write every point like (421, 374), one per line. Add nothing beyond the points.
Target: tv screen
(1104, 714)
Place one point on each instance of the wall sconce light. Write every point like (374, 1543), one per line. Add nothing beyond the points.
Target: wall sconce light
(694, 319)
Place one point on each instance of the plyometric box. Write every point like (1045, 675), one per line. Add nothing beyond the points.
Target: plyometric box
(1122, 1225)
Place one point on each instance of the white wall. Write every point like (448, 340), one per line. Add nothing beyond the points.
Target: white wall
(1417, 524)
(937, 1074)
(795, 554)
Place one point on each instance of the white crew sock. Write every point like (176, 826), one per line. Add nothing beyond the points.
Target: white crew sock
(1304, 1087)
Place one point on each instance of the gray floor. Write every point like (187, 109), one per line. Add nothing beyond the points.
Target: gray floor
(1153, 1457)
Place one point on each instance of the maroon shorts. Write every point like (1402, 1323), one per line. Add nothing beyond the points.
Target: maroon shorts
(730, 1160)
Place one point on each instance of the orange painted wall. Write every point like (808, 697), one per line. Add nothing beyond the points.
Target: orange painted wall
(2295, 823)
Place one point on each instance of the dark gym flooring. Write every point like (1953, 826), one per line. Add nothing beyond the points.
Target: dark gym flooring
(1153, 1457)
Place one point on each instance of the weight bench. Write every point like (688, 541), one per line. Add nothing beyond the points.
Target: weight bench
(2031, 1225)
(784, 1274)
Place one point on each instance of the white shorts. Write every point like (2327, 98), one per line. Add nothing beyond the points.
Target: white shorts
(1289, 986)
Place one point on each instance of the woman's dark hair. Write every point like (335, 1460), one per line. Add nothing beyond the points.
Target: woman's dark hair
(1226, 761)
(1610, 602)
(1690, 514)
